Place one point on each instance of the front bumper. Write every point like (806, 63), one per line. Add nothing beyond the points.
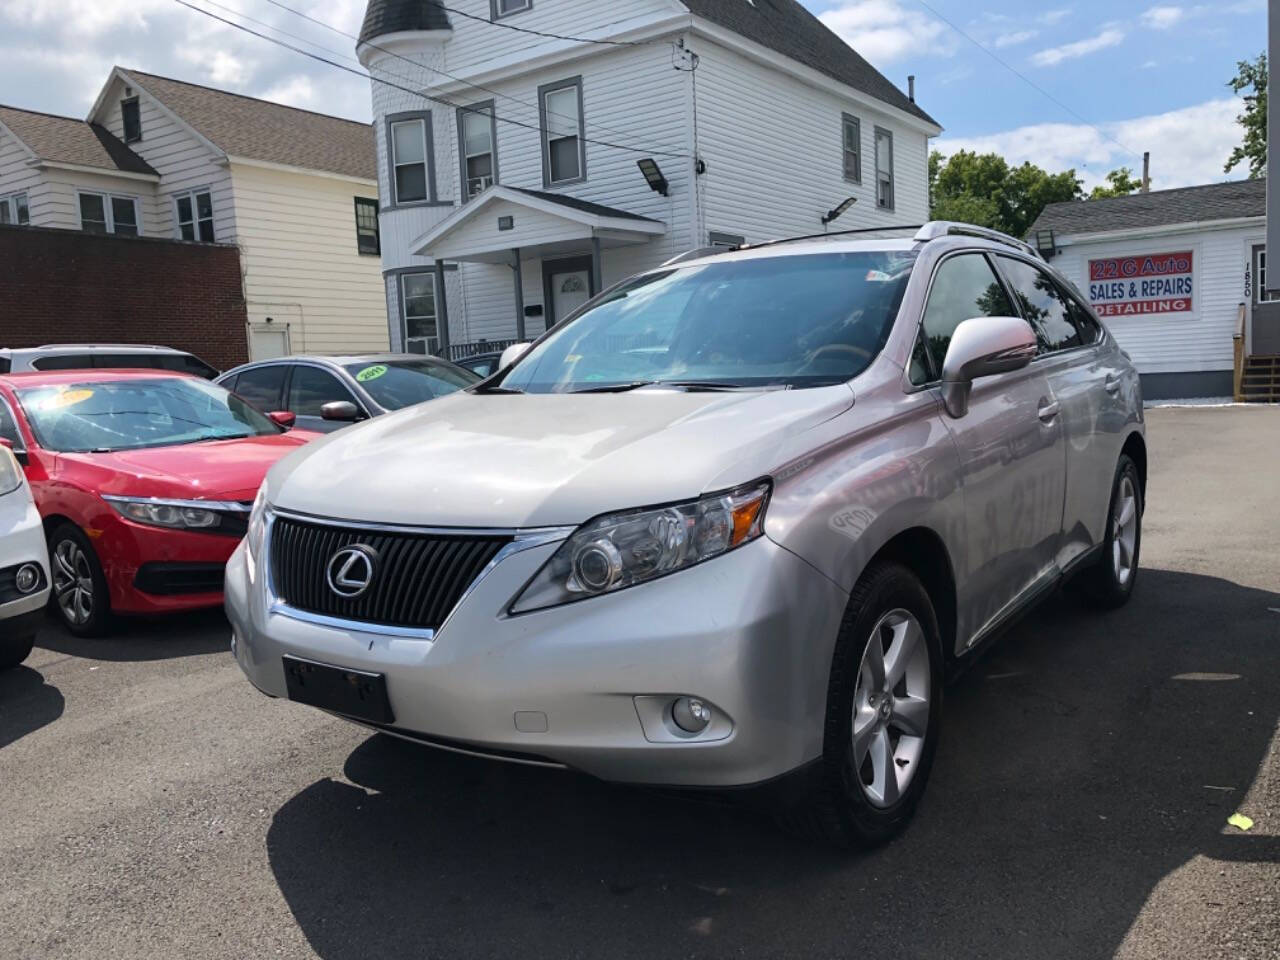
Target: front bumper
(153, 570)
(751, 633)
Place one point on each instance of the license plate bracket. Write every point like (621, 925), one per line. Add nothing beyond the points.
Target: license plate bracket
(358, 694)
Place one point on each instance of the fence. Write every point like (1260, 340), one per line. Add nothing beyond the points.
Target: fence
(464, 351)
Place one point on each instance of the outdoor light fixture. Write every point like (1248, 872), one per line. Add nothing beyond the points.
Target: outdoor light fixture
(653, 174)
(838, 211)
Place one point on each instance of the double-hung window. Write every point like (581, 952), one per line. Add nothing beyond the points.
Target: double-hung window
(410, 153)
(368, 239)
(478, 139)
(504, 8)
(884, 169)
(15, 210)
(418, 309)
(194, 215)
(852, 133)
(564, 158)
(105, 213)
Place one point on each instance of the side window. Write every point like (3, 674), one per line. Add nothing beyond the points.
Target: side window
(9, 429)
(65, 361)
(311, 388)
(964, 287)
(187, 363)
(262, 387)
(1043, 305)
(1090, 329)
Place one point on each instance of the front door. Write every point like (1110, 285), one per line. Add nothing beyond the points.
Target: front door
(567, 285)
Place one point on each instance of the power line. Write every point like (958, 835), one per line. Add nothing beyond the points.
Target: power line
(417, 93)
(1029, 82)
(423, 66)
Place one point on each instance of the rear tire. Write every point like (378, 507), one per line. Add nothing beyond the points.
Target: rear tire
(883, 714)
(1109, 582)
(80, 598)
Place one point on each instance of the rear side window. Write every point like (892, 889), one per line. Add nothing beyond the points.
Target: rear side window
(262, 387)
(186, 363)
(130, 361)
(1043, 305)
(311, 388)
(964, 287)
(66, 361)
(1090, 329)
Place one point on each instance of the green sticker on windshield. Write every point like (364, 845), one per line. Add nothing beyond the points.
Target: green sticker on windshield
(371, 373)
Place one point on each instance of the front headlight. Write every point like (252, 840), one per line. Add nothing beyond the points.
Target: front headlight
(173, 514)
(624, 549)
(10, 472)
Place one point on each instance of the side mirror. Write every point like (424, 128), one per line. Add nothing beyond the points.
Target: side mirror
(19, 455)
(983, 347)
(512, 354)
(283, 418)
(340, 411)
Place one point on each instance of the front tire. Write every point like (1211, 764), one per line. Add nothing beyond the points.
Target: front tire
(883, 714)
(80, 597)
(1109, 583)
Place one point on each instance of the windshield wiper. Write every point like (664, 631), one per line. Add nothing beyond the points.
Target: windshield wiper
(497, 390)
(616, 387)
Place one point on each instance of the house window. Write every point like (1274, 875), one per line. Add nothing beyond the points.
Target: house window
(410, 147)
(852, 133)
(563, 155)
(195, 215)
(368, 239)
(1260, 292)
(102, 213)
(884, 169)
(418, 309)
(478, 133)
(131, 115)
(14, 210)
(504, 8)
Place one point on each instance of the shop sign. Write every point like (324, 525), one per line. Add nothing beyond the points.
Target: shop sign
(1147, 284)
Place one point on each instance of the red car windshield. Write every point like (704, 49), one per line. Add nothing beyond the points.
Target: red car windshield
(134, 414)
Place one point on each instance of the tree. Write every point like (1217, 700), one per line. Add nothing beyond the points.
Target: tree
(984, 189)
(1251, 75)
(1120, 183)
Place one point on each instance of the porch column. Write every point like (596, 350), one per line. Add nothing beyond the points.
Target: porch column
(442, 310)
(515, 265)
(597, 267)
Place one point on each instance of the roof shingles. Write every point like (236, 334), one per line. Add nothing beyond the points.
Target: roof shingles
(1215, 201)
(66, 140)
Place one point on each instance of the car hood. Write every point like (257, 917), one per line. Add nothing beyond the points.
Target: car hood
(493, 460)
(221, 470)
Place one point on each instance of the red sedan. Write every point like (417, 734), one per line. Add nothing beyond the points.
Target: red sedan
(144, 480)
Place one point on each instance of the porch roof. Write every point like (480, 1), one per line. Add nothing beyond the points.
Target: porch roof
(503, 219)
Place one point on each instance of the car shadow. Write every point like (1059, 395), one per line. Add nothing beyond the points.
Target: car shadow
(1084, 759)
(27, 703)
(134, 639)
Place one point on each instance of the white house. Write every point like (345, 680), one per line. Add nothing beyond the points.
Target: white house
(1172, 272)
(532, 152)
(296, 191)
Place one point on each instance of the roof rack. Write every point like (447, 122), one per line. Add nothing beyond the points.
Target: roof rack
(938, 229)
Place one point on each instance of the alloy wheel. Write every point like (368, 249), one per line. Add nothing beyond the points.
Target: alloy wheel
(891, 708)
(1124, 530)
(73, 582)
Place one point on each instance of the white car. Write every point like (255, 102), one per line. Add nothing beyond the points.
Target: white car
(24, 563)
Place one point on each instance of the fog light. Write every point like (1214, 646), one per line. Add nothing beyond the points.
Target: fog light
(28, 578)
(690, 714)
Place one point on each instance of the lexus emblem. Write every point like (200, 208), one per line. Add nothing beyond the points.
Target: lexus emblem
(350, 571)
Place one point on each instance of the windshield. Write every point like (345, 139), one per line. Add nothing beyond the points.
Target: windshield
(401, 383)
(797, 321)
(133, 414)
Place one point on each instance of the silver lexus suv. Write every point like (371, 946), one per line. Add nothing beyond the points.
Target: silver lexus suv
(731, 524)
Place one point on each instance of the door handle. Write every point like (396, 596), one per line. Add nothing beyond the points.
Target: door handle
(1112, 383)
(1048, 411)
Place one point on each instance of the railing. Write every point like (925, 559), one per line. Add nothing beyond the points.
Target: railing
(1237, 342)
(462, 351)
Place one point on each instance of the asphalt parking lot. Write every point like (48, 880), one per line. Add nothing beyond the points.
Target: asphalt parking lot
(153, 805)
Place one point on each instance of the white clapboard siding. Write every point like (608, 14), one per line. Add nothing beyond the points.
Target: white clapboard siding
(183, 160)
(774, 152)
(61, 199)
(16, 176)
(1178, 342)
(297, 238)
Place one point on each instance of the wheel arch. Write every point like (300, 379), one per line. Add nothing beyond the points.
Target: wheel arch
(1135, 446)
(923, 551)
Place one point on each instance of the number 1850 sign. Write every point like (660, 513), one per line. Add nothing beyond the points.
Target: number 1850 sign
(1148, 284)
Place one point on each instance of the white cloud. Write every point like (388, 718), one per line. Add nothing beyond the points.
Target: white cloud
(1055, 16)
(1188, 146)
(884, 31)
(1162, 18)
(1052, 56)
(1014, 38)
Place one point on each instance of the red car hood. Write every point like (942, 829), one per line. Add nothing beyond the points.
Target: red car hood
(221, 470)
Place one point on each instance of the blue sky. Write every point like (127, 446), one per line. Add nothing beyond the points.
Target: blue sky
(1150, 75)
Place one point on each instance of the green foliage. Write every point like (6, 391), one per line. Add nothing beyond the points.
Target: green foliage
(1120, 183)
(985, 190)
(1251, 75)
